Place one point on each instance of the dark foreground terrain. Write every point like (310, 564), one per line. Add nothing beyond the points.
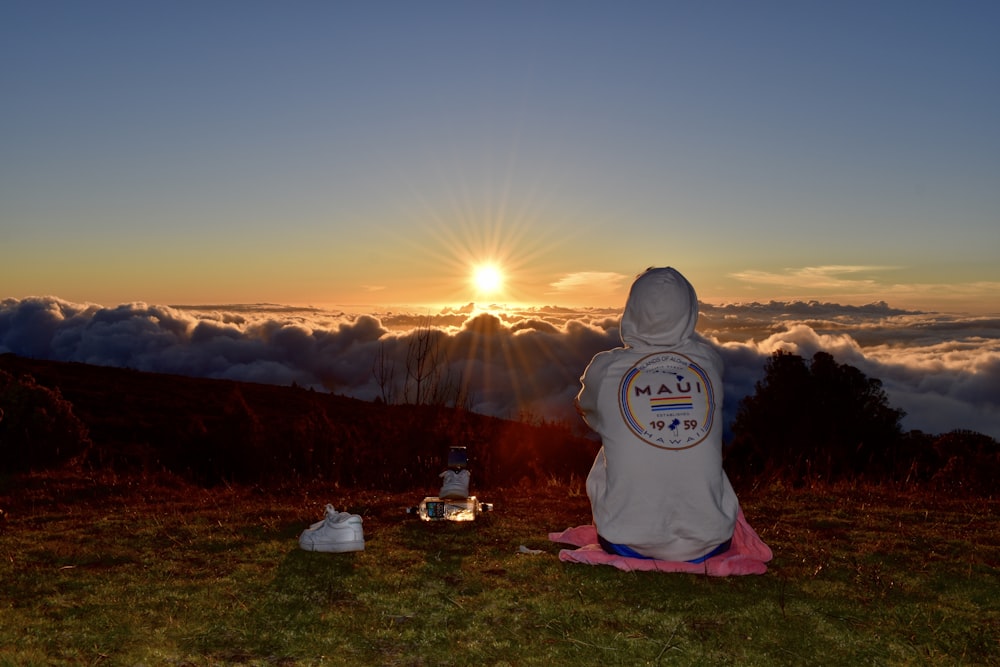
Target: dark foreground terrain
(110, 569)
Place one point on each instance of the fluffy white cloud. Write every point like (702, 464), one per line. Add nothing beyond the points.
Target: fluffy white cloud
(943, 371)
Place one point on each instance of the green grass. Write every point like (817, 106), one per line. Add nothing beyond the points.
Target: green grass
(119, 571)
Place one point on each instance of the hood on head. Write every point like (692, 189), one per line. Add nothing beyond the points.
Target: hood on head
(662, 309)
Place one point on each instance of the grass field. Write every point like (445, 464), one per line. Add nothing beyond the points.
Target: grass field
(135, 571)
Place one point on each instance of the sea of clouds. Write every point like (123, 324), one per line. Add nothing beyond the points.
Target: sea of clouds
(942, 370)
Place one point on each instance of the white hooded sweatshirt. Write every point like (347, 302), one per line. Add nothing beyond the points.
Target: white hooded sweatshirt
(657, 484)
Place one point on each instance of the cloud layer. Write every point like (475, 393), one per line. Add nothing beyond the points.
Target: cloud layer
(942, 370)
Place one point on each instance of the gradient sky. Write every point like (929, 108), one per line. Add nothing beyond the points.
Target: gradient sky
(372, 152)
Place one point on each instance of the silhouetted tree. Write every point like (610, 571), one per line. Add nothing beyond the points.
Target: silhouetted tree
(423, 365)
(39, 428)
(429, 380)
(824, 420)
(384, 372)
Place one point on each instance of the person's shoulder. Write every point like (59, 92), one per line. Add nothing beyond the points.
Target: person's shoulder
(702, 349)
(708, 347)
(604, 359)
(612, 353)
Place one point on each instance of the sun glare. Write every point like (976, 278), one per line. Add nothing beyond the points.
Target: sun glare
(487, 279)
(495, 253)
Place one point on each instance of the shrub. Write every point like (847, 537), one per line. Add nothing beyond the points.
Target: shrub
(37, 426)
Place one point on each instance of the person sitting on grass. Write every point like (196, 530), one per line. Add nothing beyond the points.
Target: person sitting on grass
(657, 488)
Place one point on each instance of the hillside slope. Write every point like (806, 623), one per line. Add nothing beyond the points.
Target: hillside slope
(221, 430)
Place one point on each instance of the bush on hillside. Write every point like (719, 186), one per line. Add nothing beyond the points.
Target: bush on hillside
(37, 426)
(971, 463)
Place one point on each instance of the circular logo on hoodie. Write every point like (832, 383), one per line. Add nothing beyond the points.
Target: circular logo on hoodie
(668, 401)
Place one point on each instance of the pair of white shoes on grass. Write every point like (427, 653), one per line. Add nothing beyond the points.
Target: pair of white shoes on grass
(338, 532)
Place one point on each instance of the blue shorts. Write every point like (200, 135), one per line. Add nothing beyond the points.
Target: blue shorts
(628, 552)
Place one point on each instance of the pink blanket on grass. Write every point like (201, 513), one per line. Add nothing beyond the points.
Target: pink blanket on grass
(747, 554)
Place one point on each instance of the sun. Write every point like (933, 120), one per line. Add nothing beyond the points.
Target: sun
(487, 278)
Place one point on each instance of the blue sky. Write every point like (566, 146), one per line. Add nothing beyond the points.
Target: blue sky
(372, 153)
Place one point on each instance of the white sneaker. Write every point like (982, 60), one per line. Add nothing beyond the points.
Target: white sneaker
(337, 533)
(456, 484)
